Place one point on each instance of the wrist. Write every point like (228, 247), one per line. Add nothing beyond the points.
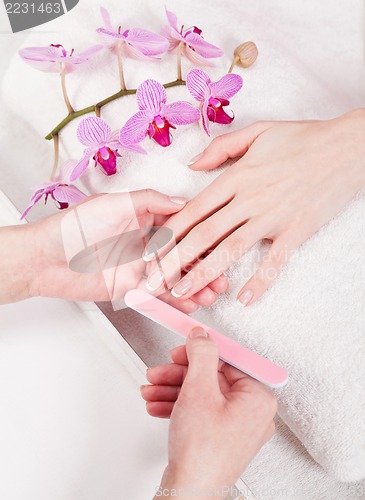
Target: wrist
(17, 264)
(179, 484)
(351, 127)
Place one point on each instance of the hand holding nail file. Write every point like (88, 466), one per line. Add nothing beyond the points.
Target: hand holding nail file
(230, 351)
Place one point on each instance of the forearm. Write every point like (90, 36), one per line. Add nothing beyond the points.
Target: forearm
(17, 269)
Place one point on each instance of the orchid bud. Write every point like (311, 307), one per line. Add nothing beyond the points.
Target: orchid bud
(244, 55)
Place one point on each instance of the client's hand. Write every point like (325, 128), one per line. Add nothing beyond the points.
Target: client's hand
(220, 417)
(292, 179)
(44, 251)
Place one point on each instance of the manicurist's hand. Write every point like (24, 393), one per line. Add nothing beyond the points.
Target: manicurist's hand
(48, 258)
(219, 417)
(293, 177)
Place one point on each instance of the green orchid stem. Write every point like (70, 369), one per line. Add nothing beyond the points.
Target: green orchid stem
(56, 156)
(95, 107)
(64, 90)
(179, 68)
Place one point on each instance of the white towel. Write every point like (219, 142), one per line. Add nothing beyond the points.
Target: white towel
(310, 66)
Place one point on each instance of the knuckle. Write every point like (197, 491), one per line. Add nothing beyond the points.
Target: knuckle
(217, 141)
(236, 243)
(204, 232)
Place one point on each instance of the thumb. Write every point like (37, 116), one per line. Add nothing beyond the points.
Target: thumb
(154, 202)
(228, 146)
(203, 360)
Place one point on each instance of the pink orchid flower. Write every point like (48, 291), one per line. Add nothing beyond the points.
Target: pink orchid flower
(59, 190)
(55, 59)
(213, 96)
(194, 47)
(135, 43)
(155, 117)
(102, 145)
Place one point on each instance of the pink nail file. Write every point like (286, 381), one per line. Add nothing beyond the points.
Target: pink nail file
(230, 351)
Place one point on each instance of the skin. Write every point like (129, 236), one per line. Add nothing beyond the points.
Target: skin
(219, 417)
(291, 179)
(34, 258)
(200, 394)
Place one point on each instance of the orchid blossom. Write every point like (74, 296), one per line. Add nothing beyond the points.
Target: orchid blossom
(155, 117)
(190, 43)
(213, 96)
(134, 43)
(54, 59)
(102, 145)
(59, 190)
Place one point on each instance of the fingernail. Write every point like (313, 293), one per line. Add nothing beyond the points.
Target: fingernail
(154, 281)
(150, 253)
(142, 387)
(245, 297)
(198, 332)
(179, 200)
(195, 159)
(181, 288)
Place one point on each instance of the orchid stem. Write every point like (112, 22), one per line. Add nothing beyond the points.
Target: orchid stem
(120, 66)
(234, 62)
(93, 108)
(179, 70)
(64, 91)
(97, 111)
(56, 143)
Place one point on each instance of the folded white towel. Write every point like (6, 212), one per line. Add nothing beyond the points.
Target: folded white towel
(310, 66)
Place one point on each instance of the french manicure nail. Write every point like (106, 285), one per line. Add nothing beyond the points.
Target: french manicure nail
(195, 159)
(150, 253)
(245, 297)
(154, 281)
(179, 200)
(182, 287)
(198, 332)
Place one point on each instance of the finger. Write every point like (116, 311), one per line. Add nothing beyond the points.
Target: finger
(160, 392)
(219, 285)
(198, 241)
(154, 202)
(267, 272)
(191, 305)
(187, 306)
(203, 359)
(109, 215)
(160, 409)
(218, 194)
(223, 256)
(228, 146)
(179, 355)
(243, 382)
(205, 297)
(169, 374)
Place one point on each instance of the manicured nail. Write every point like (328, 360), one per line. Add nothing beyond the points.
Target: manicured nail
(179, 200)
(150, 253)
(245, 297)
(181, 288)
(154, 281)
(198, 332)
(195, 159)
